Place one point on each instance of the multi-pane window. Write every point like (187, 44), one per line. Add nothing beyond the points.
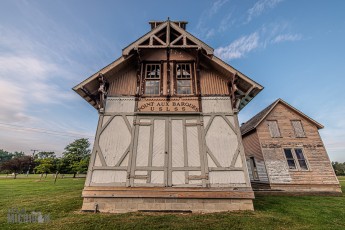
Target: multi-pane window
(292, 155)
(289, 157)
(273, 127)
(152, 79)
(298, 128)
(183, 78)
(301, 160)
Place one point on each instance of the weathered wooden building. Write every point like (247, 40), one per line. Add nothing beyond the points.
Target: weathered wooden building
(168, 136)
(284, 151)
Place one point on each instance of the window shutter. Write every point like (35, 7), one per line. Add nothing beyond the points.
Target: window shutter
(297, 126)
(273, 127)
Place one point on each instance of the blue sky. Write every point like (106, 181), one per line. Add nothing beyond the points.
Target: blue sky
(295, 49)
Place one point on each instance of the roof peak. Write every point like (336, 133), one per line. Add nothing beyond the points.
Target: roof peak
(253, 122)
(181, 24)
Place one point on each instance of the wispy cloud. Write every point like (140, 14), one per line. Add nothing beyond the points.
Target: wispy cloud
(226, 22)
(273, 33)
(216, 5)
(260, 6)
(287, 37)
(206, 31)
(239, 48)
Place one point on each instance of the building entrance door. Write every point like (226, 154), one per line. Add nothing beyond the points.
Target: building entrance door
(168, 152)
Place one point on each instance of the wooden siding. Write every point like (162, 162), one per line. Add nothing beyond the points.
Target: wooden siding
(320, 169)
(212, 83)
(123, 83)
(252, 148)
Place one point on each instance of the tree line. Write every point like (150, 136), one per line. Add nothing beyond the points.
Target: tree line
(75, 159)
(339, 168)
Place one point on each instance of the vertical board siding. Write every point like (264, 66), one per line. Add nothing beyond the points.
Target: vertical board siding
(143, 146)
(158, 150)
(177, 143)
(212, 84)
(193, 146)
(124, 83)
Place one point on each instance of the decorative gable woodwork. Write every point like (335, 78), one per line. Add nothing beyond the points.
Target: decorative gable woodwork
(168, 34)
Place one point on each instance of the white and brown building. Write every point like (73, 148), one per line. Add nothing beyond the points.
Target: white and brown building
(168, 136)
(285, 152)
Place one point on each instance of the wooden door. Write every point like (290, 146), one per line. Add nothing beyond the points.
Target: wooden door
(168, 151)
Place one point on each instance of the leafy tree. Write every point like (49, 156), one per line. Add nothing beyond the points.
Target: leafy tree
(5, 156)
(44, 155)
(81, 166)
(18, 165)
(339, 168)
(75, 153)
(45, 165)
(18, 154)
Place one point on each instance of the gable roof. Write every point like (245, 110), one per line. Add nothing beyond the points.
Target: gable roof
(187, 39)
(252, 123)
(168, 34)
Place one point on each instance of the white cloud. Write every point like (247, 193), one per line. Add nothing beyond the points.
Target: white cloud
(225, 23)
(238, 48)
(210, 33)
(260, 6)
(287, 37)
(216, 6)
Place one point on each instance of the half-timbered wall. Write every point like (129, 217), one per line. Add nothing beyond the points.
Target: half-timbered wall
(223, 145)
(319, 168)
(168, 150)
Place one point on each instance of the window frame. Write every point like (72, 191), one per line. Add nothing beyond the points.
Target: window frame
(293, 127)
(296, 160)
(144, 79)
(254, 168)
(269, 129)
(192, 77)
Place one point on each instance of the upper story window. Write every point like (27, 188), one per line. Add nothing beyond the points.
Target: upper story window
(274, 129)
(298, 128)
(152, 79)
(183, 78)
(296, 155)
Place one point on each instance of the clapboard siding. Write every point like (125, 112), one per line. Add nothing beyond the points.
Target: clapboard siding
(320, 170)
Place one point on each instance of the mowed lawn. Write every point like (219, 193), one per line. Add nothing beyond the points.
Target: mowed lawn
(63, 202)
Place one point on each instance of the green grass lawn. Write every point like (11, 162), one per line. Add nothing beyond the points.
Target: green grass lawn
(63, 202)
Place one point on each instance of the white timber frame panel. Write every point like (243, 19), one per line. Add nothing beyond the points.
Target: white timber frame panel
(168, 150)
(223, 142)
(113, 144)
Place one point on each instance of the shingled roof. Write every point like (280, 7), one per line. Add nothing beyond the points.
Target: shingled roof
(252, 123)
